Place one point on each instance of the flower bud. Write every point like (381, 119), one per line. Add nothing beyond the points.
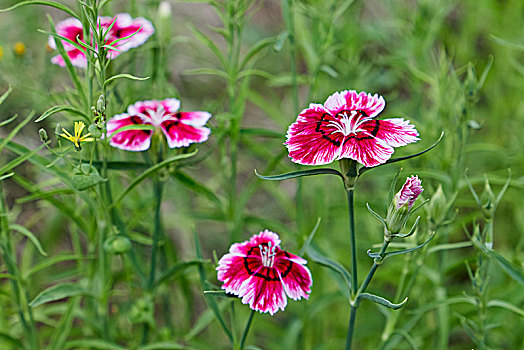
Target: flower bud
(43, 135)
(101, 104)
(488, 201)
(58, 129)
(19, 48)
(164, 23)
(400, 207)
(438, 206)
(94, 130)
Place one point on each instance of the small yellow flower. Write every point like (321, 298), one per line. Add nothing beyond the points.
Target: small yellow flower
(78, 138)
(19, 48)
(1, 52)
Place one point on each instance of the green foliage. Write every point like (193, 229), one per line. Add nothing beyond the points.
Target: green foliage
(98, 246)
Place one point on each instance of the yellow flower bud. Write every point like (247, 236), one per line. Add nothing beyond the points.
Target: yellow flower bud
(19, 48)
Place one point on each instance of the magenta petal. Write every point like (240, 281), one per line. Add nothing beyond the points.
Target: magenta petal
(124, 26)
(194, 118)
(232, 271)
(179, 134)
(264, 295)
(130, 140)
(396, 132)
(312, 139)
(77, 58)
(372, 105)
(265, 236)
(296, 278)
(70, 28)
(366, 150)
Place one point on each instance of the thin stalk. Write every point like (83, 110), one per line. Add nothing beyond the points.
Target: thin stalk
(246, 330)
(352, 237)
(376, 263)
(354, 284)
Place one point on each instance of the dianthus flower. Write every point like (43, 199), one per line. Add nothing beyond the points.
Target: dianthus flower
(140, 29)
(261, 273)
(180, 128)
(345, 127)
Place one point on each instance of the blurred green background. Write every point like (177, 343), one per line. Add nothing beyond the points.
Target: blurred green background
(453, 66)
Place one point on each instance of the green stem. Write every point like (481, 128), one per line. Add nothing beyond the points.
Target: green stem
(376, 263)
(354, 284)
(246, 330)
(352, 236)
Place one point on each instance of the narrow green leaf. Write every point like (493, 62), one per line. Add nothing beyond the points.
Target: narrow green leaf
(211, 302)
(123, 76)
(6, 176)
(207, 71)
(512, 270)
(255, 49)
(261, 132)
(393, 185)
(376, 215)
(24, 231)
(178, 268)
(505, 305)
(197, 187)
(19, 160)
(46, 3)
(132, 127)
(404, 251)
(449, 246)
(5, 95)
(63, 329)
(59, 291)
(115, 165)
(149, 172)
(52, 261)
(309, 238)
(16, 130)
(394, 160)
(280, 41)
(7, 121)
(301, 173)
(163, 345)
(211, 45)
(93, 344)
(383, 301)
(333, 265)
(40, 195)
(58, 109)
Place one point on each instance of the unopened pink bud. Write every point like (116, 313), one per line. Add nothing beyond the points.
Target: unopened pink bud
(409, 192)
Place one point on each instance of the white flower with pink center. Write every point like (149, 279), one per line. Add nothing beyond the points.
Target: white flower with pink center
(345, 127)
(180, 128)
(140, 29)
(264, 275)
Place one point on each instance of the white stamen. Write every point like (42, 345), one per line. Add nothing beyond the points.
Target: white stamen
(347, 124)
(267, 253)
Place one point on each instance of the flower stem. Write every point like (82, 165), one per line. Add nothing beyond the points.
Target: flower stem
(246, 330)
(354, 284)
(352, 236)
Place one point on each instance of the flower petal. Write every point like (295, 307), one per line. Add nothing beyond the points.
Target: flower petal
(140, 29)
(366, 149)
(295, 277)
(179, 134)
(77, 58)
(129, 140)
(264, 294)
(194, 118)
(372, 105)
(69, 28)
(265, 236)
(395, 132)
(233, 270)
(313, 139)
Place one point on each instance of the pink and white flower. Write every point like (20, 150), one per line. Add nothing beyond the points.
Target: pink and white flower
(180, 128)
(409, 192)
(262, 274)
(345, 127)
(140, 29)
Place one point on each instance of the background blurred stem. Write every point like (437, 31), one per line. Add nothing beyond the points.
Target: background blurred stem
(9, 256)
